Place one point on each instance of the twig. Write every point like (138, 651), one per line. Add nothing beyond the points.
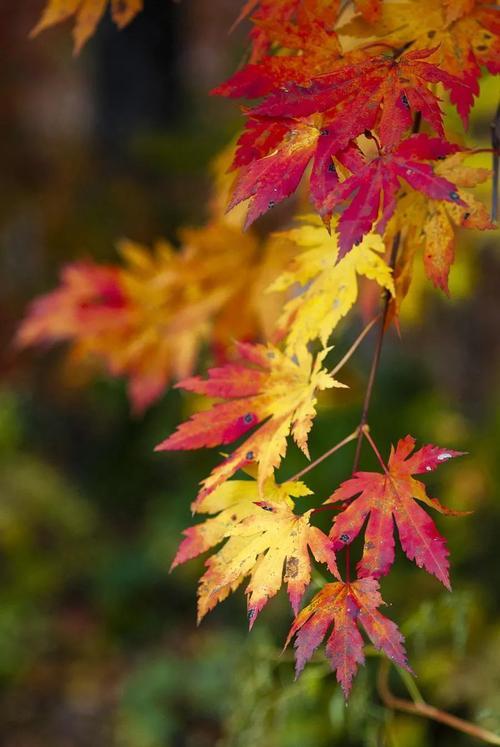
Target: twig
(328, 453)
(367, 435)
(376, 359)
(359, 339)
(495, 144)
(423, 709)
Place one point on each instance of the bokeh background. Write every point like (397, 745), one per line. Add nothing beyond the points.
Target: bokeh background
(98, 643)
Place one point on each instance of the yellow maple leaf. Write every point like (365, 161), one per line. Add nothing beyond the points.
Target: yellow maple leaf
(87, 14)
(327, 288)
(266, 540)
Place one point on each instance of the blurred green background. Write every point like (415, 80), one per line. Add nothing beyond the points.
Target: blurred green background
(98, 644)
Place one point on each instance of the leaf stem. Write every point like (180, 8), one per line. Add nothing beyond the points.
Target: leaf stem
(328, 453)
(357, 342)
(423, 709)
(367, 435)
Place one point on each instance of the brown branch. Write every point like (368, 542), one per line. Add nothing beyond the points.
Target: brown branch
(495, 144)
(425, 710)
(312, 465)
(375, 359)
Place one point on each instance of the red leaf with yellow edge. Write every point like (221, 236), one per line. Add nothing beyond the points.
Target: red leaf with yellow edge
(372, 190)
(389, 498)
(348, 607)
(268, 388)
(265, 540)
(87, 14)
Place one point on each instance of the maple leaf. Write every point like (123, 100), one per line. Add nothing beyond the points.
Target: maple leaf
(431, 225)
(90, 296)
(384, 92)
(266, 540)
(266, 387)
(329, 288)
(87, 14)
(465, 34)
(391, 497)
(347, 606)
(267, 178)
(147, 320)
(373, 189)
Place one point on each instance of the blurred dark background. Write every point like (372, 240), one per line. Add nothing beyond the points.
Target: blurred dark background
(98, 644)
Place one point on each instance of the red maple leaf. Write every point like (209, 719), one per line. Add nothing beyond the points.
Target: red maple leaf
(373, 188)
(347, 606)
(388, 498)
(274, 156)
(383, 92)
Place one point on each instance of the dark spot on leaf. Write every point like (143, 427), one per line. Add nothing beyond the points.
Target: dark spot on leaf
(265, 507)
(466, 216)
(357, 242)
(482, 48)
(368, 134)
(251, 615)
(431, 34)
(233, 517)
(454, 196)
(271, 204)
(324, 131)
(249, 455)
(344, 538)
(248, 417)
(292, 567)
(405, 101)
(331, 166)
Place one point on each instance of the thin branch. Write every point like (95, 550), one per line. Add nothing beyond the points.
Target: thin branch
(367, 435)
(376, 359)
(359, 339)
(425, 710)
(495, 144)
(328, 453)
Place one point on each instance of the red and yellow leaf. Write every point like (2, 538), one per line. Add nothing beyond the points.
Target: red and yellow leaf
(346, 606)
(265, 540)
(267, 388)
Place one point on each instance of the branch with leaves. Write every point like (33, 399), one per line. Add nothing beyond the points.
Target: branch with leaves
(348, 113)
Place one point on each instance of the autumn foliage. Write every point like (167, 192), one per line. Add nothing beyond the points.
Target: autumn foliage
(349, 114)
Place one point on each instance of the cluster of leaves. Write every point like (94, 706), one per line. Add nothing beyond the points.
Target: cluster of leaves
(349, 94)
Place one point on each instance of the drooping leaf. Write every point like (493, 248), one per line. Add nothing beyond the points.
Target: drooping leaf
(431, 225)
(327, 288)
(268, 388)
(348, 607)
(86, 14)
(266, 540)
(388, 498)
(372, 190)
